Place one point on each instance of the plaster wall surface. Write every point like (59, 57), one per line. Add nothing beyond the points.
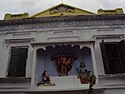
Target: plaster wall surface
(61, 31)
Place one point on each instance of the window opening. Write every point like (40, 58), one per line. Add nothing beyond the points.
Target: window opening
(113, 54)
(17, 65)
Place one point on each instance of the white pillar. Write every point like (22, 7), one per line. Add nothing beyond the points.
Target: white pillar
(94, 61)
(29, 62)
(33, 68)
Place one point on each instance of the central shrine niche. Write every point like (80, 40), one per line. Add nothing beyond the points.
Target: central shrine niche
(47, 60)
(63, 62)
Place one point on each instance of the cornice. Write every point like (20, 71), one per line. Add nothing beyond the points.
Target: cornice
(19, 40)
(62, 43)
(62, 18)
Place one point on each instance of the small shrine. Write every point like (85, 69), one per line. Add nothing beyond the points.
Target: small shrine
(64, 62)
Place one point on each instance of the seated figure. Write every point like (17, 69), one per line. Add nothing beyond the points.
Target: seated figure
(45, 80)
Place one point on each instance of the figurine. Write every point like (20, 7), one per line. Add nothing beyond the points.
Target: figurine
(83, 74)
(45, 80)
(86, 77)
(92, 82)
(63, 62)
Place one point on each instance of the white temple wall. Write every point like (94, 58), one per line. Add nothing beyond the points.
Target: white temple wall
(85, 35)
(6, 41)
(58, 35)
(3, 56)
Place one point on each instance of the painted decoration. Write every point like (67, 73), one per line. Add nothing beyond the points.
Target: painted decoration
(63, 62)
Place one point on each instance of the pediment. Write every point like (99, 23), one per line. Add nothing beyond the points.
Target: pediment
(62, 10)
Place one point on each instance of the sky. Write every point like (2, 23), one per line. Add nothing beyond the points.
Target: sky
(35, 6)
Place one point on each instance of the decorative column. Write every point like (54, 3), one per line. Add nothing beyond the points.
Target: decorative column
(94, 61)
(33, 68)
(29, 62)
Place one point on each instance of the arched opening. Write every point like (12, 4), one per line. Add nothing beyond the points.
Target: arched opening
(44, 61)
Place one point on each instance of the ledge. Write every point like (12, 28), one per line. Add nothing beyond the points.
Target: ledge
(62, 42)
(19, 40)
(112, 79)
(15, 80)
(110, 76)
(15, 83)
(108, 36)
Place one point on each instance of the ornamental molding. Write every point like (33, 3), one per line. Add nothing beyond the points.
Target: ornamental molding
(62, 19)
(108, 36)
(78, 21)
(18, 40)
(63, 42)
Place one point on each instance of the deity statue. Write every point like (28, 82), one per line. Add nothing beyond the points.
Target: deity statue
(45, 80)
(86, 77)
(83, 73)
(63, 62)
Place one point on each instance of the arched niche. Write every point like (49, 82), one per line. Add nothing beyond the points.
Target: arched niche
(44, 61)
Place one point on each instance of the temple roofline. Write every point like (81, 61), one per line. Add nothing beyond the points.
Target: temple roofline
(62, 18)
(58, 5)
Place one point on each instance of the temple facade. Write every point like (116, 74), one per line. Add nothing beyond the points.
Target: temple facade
(70, 44)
